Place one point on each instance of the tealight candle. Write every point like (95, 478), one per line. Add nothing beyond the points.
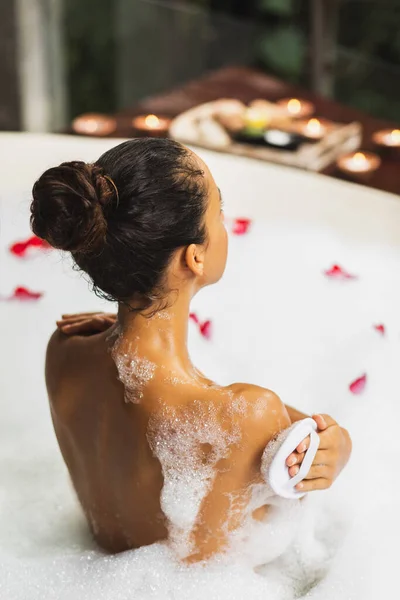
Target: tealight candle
(388, 140)
(151, 124)
(256, 118)
(359, 164)
(296, 108)
(94, 124)
(313, 129)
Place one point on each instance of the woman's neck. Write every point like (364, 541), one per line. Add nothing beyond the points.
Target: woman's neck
(164, 331)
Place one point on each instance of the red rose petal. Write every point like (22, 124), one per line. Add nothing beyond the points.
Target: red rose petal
(358, 385)
(241, 226)
(337, 272)
(380, 328)
(22, 293)
(205, 329)
(36, 242)
(20, 248)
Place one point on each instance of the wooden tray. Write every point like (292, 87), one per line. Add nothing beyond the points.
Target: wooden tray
(197, 126)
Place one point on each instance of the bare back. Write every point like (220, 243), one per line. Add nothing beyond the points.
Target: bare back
(202, 441)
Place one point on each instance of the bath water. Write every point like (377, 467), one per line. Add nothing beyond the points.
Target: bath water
(279, 322)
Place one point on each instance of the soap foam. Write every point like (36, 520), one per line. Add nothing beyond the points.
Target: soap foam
(134, 371)
(189, 443)
(342, 543)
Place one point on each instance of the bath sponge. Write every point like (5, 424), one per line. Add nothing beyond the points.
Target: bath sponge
(273, 463)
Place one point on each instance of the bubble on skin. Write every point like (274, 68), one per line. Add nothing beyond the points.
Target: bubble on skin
(175, 380)
(260, 407)
(134, 371)
(196, 378)
(177, 440)
(188, 444)
(239, 405)
(163, 315)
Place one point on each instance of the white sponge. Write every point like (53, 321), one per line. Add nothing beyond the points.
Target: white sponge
(273, 464)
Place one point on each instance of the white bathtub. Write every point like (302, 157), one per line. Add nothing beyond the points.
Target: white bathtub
(277, 321)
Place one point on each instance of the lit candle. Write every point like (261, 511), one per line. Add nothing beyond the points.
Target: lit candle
(151, 124)
(359, 164)
(256, 118)
(94, 124)
(314, 129)
(296, 108)
(387, 137)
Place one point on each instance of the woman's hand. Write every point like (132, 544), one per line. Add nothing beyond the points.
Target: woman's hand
(332, 456)
(86, 323)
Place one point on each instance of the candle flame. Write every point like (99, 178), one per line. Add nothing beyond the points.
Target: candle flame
(359, 157)
(314, 126)
(152, 122)
(92, 125)
(294, 106)
(395, 135)
(358, 162)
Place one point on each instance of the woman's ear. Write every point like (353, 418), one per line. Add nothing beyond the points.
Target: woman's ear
(194, 258)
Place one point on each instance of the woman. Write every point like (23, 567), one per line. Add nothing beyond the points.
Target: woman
(155, 450)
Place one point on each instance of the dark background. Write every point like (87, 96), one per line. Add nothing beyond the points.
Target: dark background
(117, 52)
(273, 34)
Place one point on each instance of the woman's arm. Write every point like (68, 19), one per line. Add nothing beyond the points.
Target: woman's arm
(264, 418)
(295, 415)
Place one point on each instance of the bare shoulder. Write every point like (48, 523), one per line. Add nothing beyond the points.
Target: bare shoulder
(264, 414)
(56, 347)
(61, 352)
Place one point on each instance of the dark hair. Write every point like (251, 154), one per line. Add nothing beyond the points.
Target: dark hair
(123, 232)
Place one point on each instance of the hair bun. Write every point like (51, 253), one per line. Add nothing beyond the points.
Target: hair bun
(67, 207)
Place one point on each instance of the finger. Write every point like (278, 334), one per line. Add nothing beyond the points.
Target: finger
(71, 320)
(294, 459)
(111, 319)
(64, 324)
(294, 470)
(86, 326)
(317, 471)
(313, 485)
(77, 315)
(91, 325)
(81, 327)
(320, 421)
(104, 323)
(304, 445)
(325, 420)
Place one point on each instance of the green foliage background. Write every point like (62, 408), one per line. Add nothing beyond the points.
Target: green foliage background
(90, 56)
(366, 71)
